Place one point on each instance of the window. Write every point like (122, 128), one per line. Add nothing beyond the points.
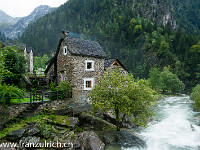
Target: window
(89, 65)
(88, 83)
(65, 50)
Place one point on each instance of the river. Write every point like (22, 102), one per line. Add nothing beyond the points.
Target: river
(174, 127)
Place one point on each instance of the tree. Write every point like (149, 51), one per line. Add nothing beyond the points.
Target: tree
(170, 82)
(39, 62)
(154, 75)
(14, 64)
(164, 54)
(194, 61)
(195, 95)
(123, 96)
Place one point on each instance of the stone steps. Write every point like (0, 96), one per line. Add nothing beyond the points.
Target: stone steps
(24, 114)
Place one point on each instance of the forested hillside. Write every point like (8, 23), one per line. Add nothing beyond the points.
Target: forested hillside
(140, 33)
(2, 38)
(187, 15)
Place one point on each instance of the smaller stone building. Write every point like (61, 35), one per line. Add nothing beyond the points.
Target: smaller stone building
(80, 62)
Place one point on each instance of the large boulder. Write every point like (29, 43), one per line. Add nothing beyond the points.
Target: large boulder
(15, 134)
(69, 122)
(94, 123)
(110, 117)
(91, 141)
(122, 138)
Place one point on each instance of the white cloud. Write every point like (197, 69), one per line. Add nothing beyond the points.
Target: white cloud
(20, 8)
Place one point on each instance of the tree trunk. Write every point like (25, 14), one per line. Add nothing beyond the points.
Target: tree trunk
(117, 118)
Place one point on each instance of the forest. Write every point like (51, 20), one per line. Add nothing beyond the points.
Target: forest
(139, 41)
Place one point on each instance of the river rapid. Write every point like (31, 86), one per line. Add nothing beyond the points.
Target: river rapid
(174, 126)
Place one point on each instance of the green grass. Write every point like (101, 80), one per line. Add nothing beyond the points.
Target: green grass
(15, 126)
(24, 100)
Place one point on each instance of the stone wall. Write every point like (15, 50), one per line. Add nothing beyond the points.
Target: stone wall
(74, 70)
(12, 111)
(79, 74)
(8, 112)
(121, 69)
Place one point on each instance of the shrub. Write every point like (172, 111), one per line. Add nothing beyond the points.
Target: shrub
(62, 90)
(195, 95)
(8, 92)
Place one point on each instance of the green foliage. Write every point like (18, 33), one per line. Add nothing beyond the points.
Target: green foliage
(123, 31)
(194, 63)
(13, 65)
(187, 14)
(165, 81)
(64, 85)
(8, 92)
(39, 62)
(154, 75)
(170, 82)
(61, 90)
(123, 96)
(195, 95)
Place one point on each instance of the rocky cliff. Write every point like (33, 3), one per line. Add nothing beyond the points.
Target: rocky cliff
(18, 28)
(155, 10)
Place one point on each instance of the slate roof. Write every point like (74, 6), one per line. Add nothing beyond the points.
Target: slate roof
(84, 47)
(49, 64)
(109, 62)
(78, 47)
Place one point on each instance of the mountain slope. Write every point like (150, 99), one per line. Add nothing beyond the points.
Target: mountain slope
(139, 33)
(17, 29)
(187, 14)
(4, 18)
(89, 17)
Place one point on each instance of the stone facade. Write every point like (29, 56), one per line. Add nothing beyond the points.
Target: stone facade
(72, 68)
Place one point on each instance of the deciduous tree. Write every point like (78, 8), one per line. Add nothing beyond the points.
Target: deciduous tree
(123, 96)
(14, 65)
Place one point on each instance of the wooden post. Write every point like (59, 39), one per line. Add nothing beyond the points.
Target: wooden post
(57, 94)
(31, 97)
(42, 97)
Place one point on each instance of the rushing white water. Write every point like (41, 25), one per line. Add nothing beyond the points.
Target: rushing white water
(173, 128)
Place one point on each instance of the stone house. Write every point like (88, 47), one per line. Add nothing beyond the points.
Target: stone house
(80, 62)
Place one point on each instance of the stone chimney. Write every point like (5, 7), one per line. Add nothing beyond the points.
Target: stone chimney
(65, 33)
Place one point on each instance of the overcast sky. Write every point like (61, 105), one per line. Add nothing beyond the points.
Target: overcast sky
(21, 8)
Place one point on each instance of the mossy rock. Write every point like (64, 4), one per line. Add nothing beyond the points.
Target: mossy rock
(95, 123)
(69, 122)
(15, 134)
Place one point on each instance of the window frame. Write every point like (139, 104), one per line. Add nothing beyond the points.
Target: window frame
(92, 84)
(65, 50)
(92, 65)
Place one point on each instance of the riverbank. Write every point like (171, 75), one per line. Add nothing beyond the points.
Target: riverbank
(51, 124)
